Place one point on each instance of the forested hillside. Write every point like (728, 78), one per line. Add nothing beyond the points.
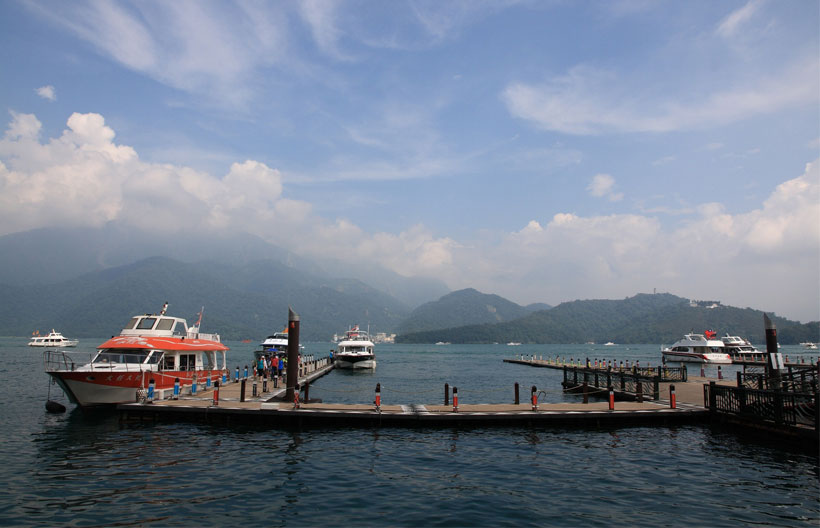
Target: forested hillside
(644, 318)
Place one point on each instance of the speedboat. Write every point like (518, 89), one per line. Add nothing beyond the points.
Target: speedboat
(736, 346)
(809, 346)
(53, 339)
(152, 349)
(355, 350)
(696, 348)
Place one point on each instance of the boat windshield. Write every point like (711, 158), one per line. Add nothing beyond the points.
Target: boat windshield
(126, 355)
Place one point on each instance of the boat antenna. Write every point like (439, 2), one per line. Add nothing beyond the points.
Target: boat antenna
(199, 320)
(164, 308)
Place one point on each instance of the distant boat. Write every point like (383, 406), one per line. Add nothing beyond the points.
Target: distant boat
(696, 348)
(275, 345)
(735, 346)
(355, 350)
(53, 339)
(513, 343)
(443, 343)
(609, 343)
(809, 346)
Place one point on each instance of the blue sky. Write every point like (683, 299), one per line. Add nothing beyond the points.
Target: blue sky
(544, 151)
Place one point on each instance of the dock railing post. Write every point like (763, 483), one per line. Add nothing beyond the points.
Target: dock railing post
(534, 398)
(712, 398)
(656, 388)
(586, 392)
(293, 355)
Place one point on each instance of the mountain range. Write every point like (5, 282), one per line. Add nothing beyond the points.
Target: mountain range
(643, 318)
(88, 282)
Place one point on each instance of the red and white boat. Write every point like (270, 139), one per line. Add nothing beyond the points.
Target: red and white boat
(154, 347)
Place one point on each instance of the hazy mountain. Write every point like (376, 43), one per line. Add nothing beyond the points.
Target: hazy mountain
(52, 255)
(644, 318)
(460, 308)
(240, 301)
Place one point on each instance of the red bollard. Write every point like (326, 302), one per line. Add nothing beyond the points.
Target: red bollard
(672, 402)
(702, 373)
(611, 398)
(216, 394)
(534, 399)
(455, 399)
(378, 397)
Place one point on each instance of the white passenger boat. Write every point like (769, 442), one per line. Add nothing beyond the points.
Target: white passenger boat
(275, 345)
(355, 350)
(696, 348)
(151, 347)
(738, 346)
(53, 339)
(809, 346)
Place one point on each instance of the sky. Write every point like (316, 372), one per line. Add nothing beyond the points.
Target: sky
(544, 151)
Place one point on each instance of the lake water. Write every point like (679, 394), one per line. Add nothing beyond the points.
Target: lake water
(86, 469)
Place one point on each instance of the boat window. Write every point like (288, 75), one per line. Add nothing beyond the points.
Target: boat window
(165, 324)
(154, 358)
(147, 323)
(187, 362)
(168, 363)
(123, 355)
(208, 360)
(180, 329)
(132, 323)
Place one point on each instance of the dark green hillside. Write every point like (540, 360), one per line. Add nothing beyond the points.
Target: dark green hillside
(240, 302)
(644, 318)
(460, 308)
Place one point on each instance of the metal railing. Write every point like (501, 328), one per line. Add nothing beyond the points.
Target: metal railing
(778, 407)
(638, 381)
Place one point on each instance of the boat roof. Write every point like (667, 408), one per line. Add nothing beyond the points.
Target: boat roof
(162, 343)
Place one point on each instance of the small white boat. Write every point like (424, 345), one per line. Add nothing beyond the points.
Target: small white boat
(609, 343)
(513, 343)
(737, 346)
(809, 346)
(696, 348)
(355, 350)
(275, 345)
(53, 339)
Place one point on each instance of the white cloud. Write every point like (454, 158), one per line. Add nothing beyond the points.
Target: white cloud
(47, 92)
(588, 101)
(767, 258)
(736, 19)
(603, 185)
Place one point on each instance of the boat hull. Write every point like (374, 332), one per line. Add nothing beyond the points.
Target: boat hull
(92, 388)
(352, 362)
(694, 357)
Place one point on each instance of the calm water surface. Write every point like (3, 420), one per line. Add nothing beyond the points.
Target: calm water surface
(80, 469)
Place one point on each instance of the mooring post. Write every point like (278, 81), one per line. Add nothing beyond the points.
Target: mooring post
(242, 390)
(378, 401)
(293, 354)
(216, 394)
(739, 379)
(534, 398)
(455, 399)
(611, 398)
(672, 401)
(774, 362)
(586, 392)
(446, 394)
(516, 393)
